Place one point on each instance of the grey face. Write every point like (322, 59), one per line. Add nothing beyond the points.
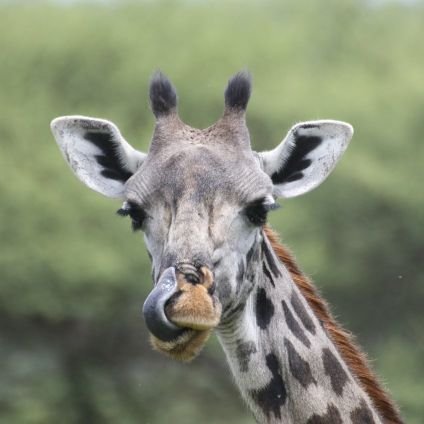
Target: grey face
(201, 204)
(200, 197)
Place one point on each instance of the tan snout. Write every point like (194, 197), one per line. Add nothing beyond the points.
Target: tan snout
(194, 306)
(194, 309)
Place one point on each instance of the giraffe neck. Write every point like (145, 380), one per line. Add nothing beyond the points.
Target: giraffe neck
(285, 363)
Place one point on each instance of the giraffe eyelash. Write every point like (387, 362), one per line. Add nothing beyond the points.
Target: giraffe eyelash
(136, 214)
(257, 211)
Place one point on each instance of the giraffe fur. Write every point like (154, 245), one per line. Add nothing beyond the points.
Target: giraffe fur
(299, 379)
(201, 198)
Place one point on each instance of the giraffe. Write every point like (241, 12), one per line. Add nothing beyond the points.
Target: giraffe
(201, 199)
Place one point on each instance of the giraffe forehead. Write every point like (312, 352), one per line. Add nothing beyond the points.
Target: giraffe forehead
(200, 173)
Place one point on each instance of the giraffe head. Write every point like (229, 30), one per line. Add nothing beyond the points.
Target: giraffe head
(200, 197)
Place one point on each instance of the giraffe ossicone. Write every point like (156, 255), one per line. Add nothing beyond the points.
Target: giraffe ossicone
(201, 198)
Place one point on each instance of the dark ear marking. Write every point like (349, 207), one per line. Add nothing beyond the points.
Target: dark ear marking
(291, 170)
(163, 97)
(238, 91)
(309, 126)
(335, 371)
(109, 157)
(273, 396)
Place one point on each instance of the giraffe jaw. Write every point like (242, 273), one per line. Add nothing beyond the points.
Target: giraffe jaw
(185, 347)
(180, 315)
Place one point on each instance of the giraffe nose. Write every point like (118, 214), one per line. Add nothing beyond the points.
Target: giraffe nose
(189, 272)
(194, 305)
(182, 300)
(196, 275)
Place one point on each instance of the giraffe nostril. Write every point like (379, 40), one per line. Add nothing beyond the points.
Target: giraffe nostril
(191, 273)
(192, 278)
(197, 274)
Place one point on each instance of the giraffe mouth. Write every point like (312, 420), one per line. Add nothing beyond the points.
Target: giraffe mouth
(181, 311)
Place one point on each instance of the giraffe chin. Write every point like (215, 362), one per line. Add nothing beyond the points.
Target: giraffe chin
(185, 347)
(197, 313)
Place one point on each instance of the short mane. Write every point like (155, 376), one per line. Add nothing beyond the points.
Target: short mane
(343, 340)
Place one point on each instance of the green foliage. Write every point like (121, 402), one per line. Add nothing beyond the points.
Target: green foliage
(73, 347)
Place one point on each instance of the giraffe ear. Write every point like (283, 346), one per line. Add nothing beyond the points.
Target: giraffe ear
(97, 153)
(306, 157)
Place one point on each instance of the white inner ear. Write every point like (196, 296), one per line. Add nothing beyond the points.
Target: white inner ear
(320, 144)
(103, 165)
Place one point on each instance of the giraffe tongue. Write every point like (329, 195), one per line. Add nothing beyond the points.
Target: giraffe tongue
(154, 308)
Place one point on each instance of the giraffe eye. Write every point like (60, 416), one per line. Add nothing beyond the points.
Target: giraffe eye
(135, 212)
(257, 211)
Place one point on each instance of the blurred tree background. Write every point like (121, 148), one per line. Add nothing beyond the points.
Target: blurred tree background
(73, 346)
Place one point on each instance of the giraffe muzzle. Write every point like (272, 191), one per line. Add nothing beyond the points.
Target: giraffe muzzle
(181, 311)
